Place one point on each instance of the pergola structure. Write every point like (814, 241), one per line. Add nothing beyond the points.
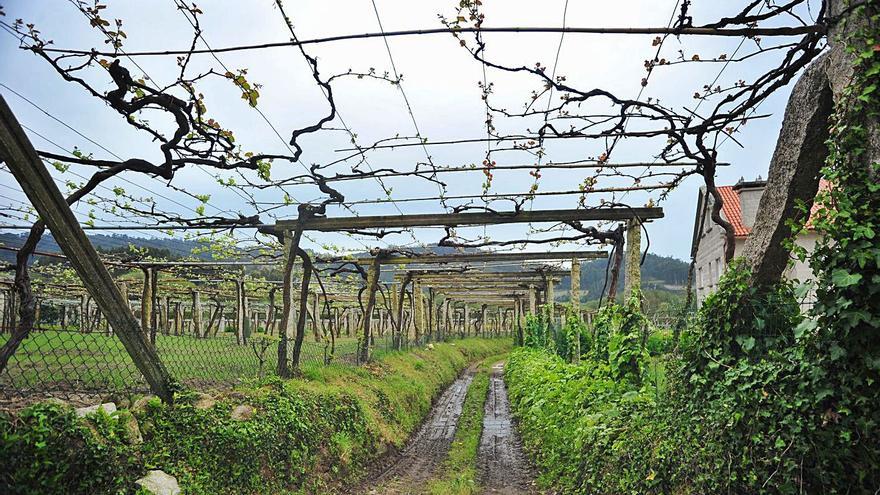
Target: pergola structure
(33, 176)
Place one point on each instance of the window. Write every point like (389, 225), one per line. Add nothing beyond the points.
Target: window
(720, 268)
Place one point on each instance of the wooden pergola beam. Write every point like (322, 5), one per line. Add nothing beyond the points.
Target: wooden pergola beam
(342, 224)
(487, 257)
(485, 284)
(475, 257)
(488, 275)
(466, 292)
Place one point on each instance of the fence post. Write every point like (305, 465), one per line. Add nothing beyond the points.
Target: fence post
(24, 163)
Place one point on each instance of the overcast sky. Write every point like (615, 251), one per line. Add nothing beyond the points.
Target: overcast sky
(439, 79)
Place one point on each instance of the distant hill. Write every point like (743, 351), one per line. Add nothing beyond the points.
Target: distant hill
(663, 273)
(116, 242)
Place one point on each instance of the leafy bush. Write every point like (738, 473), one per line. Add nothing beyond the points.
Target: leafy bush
(588, 432)
(660, 342)
(48, 449)
(750, 405)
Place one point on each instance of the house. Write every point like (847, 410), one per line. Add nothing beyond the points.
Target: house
(740, 207)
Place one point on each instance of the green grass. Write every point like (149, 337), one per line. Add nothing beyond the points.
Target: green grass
(69, 360)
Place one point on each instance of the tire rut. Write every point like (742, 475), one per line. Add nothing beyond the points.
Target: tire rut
(501, 464)
(428, 448)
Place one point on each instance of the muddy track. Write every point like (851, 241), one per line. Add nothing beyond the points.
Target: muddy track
(502, 466)
(428, 448)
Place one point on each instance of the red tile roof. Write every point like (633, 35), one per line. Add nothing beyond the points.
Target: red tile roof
(732, 210)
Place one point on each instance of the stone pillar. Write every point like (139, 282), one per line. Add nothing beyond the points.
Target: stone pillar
(431, 314)
(83, 314)
(178, 318)
(372, 282)
(633, 278)
(147, 302)
(575, 301)
(418, 309)
(533, 302)
(123, 290)
(517, 314)
(446, 327)
(239, 311)
(37, 304)
(162, 317)
(64, 321)
(197, 314)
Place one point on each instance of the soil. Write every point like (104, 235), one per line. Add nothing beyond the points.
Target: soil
(502, 466)
(428, 448)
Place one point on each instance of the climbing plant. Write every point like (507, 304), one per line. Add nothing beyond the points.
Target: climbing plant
(792, 395)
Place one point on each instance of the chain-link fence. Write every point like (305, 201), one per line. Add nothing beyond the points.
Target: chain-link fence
(78, 366)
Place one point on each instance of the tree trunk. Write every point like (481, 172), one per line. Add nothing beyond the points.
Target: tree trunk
(291, 244)
(303, 307)
(372, 283)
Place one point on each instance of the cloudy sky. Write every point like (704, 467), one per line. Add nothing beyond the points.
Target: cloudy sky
(440, 81)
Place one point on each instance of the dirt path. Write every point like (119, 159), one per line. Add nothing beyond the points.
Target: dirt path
(427, 449)
(500, 461)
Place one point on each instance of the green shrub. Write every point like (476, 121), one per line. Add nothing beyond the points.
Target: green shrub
(48, 449)
(588, 432)
(660, 342)
(749, 405)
